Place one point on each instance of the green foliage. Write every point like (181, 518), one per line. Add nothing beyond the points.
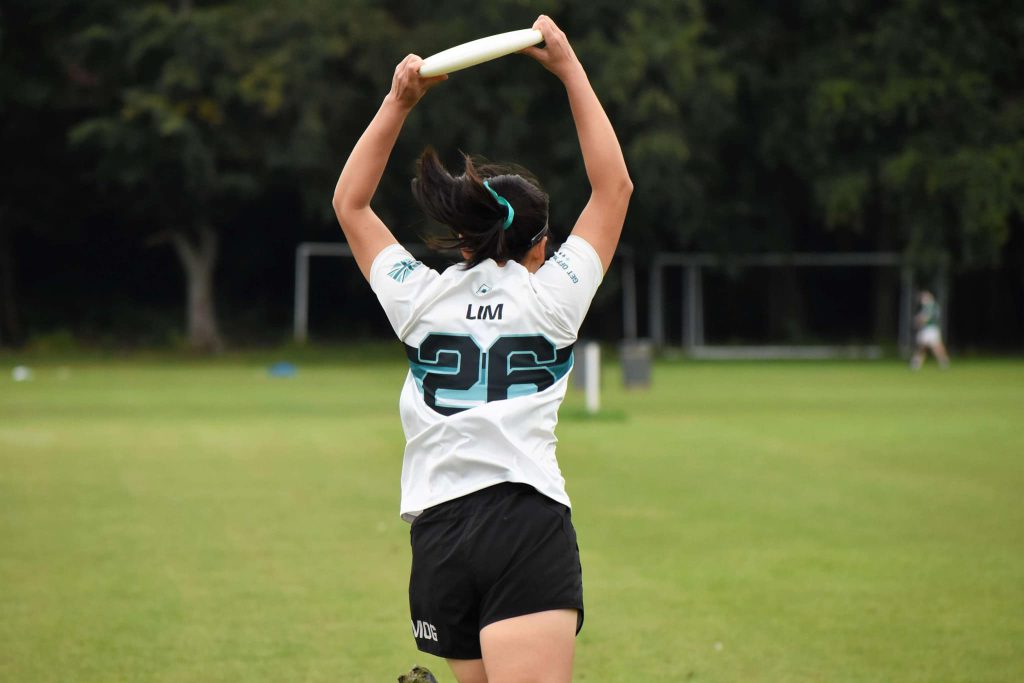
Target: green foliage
(202, 106)
(747, 126)
(900, 122)
(912, 112)
(670, 98)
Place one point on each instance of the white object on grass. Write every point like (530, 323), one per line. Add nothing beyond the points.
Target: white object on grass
(478, 51)
(592, 376)
(21, 373)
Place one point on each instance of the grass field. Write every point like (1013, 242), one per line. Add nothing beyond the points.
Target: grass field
(166, 520)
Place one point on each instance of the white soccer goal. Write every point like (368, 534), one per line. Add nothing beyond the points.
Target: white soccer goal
(303, 253)
(690, 297)
(692, 300)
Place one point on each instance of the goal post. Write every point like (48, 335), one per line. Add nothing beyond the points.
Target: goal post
(691, 299)
(694, 265)
(304, 252)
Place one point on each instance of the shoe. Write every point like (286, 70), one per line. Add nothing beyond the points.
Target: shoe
(417, 674)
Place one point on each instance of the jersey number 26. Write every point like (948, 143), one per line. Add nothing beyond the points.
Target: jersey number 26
(454, 374)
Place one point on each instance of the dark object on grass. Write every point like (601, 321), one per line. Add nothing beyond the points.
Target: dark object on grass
(417, 675)
(635, 355)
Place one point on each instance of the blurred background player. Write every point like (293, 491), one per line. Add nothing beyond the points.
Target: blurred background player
(929, 332)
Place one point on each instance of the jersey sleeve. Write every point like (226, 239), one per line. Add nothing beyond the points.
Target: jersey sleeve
(570, 279)
(399, 279)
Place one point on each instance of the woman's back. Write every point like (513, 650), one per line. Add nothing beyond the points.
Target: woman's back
(489, 350)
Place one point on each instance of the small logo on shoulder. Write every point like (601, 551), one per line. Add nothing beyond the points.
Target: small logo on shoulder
(482, 289)
(424, 630)
(401, 270)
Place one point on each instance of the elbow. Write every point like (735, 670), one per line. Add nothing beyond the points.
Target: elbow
(620, 184)
(613, 194)
(341, 205)
(346, 203)
(622, 189)
(615, 189)
(338, 200)
(626, 187)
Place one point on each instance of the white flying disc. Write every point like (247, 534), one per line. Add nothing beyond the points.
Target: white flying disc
(478, 51)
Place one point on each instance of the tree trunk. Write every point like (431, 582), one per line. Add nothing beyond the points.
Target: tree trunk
(10, 327)
(198, 260)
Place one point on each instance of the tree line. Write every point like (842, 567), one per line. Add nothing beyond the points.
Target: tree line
(182, 127)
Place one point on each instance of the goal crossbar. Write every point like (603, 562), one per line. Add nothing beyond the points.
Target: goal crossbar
(303, 253)
(693, 306)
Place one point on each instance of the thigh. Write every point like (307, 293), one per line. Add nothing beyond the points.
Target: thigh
(468, 670)
(536, 647)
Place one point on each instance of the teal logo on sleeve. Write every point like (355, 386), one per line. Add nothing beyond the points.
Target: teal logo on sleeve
(401, 270)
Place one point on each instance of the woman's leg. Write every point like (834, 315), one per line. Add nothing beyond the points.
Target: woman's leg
(468, 670)
(939, 349)
(534, 648)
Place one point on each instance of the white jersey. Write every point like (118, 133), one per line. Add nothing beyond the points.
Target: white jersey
(489, 349)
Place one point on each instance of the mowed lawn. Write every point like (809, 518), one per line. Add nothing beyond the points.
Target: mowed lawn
(172, 520)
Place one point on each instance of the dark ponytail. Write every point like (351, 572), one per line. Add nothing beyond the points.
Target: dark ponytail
(475, 218)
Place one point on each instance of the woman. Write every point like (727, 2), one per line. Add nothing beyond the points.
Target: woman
(496, 585)
(929, 333)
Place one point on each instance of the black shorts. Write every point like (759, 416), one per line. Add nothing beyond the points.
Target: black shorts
(501, 552)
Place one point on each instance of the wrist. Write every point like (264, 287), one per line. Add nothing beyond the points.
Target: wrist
(395, 104)
(573, 76)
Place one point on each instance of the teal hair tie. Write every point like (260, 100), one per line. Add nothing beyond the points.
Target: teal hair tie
(503, 202)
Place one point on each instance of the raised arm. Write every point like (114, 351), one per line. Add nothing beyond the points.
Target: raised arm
(365, 232)
(600, 223)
